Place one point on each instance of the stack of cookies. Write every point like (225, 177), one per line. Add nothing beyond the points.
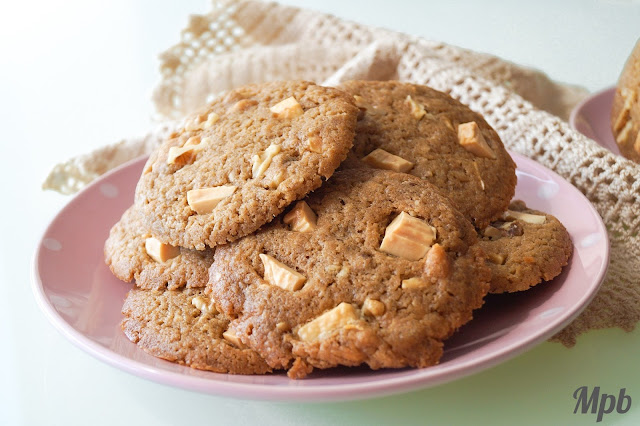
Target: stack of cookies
(289, 226)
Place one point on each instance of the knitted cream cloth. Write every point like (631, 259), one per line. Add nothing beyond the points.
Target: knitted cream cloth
(246, 42)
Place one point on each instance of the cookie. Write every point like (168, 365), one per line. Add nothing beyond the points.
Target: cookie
(418, 130)
(374, 267)
(241, 161)
(183, 327)
(127, 253)
(525, 248)
(625, 112)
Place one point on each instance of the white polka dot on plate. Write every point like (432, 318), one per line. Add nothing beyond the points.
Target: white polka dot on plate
(590, 240)
(551, 312)
(548, 191)
(60, 302)
(52, 244)
(109, 190)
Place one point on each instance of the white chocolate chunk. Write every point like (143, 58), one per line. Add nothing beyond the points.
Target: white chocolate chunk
(472, 140)
(447, 123)
(381, 159)
(475, 166)
(415, 282)
(338, 317)
(629, 97)
(200, 122)
(492, 232)
(314, 144)
(243, 105)
(625, 132)
(373, 307)
(212, 118)
(289, 108)
(277, 179)
(262, 162)
(301, 218)
(278, 274)
(497, 258)
(192, 141)
(181, 155)
(283, 326)
(408, 237)
(359, 101)
(525, 217)
(417, 110)
(205, 307)
(204, 200)
(160, 252)
(193, 123)
(230, 337)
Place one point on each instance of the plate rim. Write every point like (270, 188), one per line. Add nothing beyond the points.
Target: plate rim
(325, 392)
(589, 98)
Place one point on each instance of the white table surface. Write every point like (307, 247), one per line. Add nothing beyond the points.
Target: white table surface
(78, 74)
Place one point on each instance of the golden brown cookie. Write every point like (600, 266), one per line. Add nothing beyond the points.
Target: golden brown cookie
(524, 248)
(415, 129)
(625, 113)
(183, 327)
(129, 250)
(242, 160)
(374, 267)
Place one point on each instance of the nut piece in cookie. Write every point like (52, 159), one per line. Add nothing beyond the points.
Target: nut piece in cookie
(373, 307)
(417, 110)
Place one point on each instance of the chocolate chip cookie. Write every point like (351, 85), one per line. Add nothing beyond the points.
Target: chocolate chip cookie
(524, 248)
(418, 130)
(374, 267)
(242, 160)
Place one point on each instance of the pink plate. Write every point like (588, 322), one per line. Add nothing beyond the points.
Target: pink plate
(592, 118)
(82, 299)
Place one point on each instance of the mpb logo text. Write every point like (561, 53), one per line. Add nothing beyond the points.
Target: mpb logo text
(600, 404)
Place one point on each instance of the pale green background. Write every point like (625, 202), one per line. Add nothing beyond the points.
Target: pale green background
(78, 74)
